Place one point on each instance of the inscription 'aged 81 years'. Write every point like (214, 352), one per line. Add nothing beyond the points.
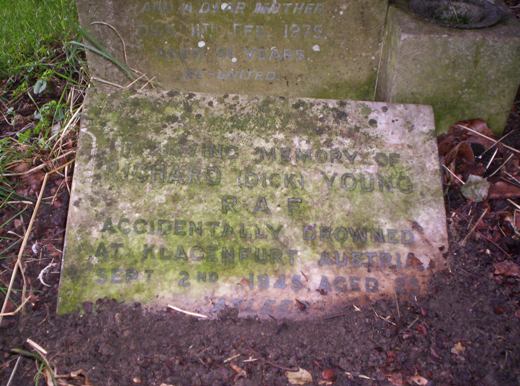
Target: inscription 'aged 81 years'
(324, 49)
(259, 203)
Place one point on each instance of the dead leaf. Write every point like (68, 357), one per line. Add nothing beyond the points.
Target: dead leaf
(20, 167)
(328, 375)
(478, 125)
(421, 329)
(458, 348)
(49, 377)
(507, 268)
(501, 189)
(76, 376)
(17, 223)
(300, 377)
(396, 379)
(475, 189)
(241, 373)
(418, 380)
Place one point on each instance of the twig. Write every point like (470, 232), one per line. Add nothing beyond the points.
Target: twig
(514, 203)
(39, 167)
(385, 319)
(491, 159)
(501, 166)
(18, 263)
(135, 81)
(43, 272)
(397, 305)
(411, 324)
(463, 242)
(496, 143)
(516, 180)
(148, 81)
(71, 122)
(36, 347)
(453, 174)
(292, 369)
(188, 312)
(107, 82)
(13, 313)
(14, 370)
(231, 358)
(488, 138)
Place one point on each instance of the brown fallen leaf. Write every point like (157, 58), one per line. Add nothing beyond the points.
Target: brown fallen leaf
(502, 189)
(239, 370)
(507, 268)
(328, 375)
(418, 380)
(300, 377)
(17, 223)
(20, 167)
(76, 376)
(421, 329)
(396, 379)
(458, 348)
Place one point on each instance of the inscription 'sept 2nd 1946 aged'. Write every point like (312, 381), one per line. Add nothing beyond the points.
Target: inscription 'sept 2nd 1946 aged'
(259, 203)
(321, 49)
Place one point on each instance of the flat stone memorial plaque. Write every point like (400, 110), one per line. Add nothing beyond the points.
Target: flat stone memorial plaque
(322, 49)
(282, 207)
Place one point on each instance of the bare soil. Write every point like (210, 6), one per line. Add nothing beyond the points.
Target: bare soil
(464, 331)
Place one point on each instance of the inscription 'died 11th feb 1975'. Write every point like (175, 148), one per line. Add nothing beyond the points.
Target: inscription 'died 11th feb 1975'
(325, 49)
(256, 203)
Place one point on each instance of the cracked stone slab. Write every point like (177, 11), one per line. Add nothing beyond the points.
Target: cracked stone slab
(283, 207)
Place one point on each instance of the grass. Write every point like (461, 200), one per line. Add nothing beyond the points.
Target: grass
(29, 28)
(39, 67)
(42, 83)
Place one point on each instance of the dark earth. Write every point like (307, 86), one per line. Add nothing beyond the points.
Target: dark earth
(464, 331)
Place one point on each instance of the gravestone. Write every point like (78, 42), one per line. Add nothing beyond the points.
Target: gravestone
(322, 49)
(281, 207)
(463, 73)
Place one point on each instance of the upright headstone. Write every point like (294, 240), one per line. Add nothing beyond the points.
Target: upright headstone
(462, 73)
(281, 207)
(322, 49)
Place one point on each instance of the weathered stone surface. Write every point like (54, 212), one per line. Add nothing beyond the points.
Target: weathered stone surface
(322, 49)
(463, 74)
(203, 201)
